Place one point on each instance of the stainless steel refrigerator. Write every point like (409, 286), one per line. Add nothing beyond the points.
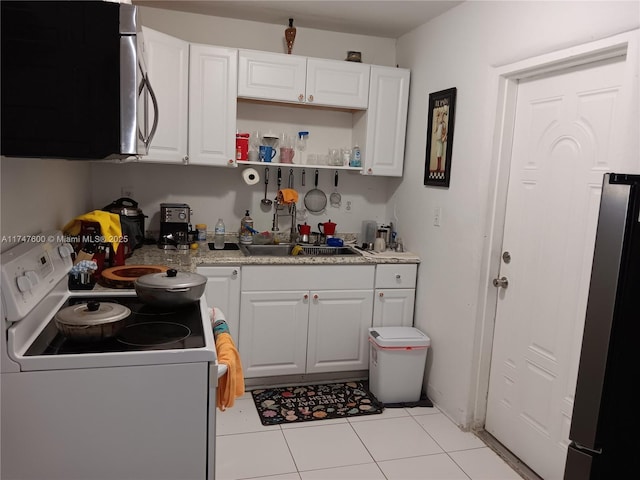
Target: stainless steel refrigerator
(605, 426)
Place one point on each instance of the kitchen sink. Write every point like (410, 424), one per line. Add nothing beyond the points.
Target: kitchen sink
(284, 249)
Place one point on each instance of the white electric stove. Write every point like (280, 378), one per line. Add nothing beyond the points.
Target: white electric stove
(139, 405)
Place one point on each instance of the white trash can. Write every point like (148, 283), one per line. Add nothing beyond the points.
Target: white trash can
(396, 363)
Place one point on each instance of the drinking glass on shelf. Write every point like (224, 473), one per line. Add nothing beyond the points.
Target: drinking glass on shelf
(255, 140)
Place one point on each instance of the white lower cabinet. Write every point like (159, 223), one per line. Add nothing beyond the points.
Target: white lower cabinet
(394, 295)
(273, 332)
(223, 291)
(338, 325)
(305, 319)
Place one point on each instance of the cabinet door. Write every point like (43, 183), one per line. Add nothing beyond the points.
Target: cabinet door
(338, 330)
(273, 332)
(168, 67)
(386, 121)
(212, 105)
(394, 307)
(271, 76)
(340, 84)
(223, 291)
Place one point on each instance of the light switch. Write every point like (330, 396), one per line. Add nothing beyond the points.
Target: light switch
(437, 216)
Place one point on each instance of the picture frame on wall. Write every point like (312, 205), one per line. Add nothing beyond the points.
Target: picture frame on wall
(441, 118)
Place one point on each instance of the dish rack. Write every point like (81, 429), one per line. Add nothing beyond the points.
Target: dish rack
(320, 250)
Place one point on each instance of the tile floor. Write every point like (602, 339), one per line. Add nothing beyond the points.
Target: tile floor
(411, 443)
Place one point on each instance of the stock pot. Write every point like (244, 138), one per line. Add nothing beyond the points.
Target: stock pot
(171, 288)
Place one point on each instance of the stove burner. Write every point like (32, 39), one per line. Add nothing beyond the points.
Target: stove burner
(149, 334)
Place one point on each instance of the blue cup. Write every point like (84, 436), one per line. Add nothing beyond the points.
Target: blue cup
(266, 153)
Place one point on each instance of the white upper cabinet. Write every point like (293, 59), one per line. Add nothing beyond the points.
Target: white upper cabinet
(338, 84)
(271, 76)
(196, 88)
(295, 79)
(386, 123)
(167, 60)
(213, 87)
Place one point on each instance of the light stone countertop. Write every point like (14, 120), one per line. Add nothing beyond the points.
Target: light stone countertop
(190, 259)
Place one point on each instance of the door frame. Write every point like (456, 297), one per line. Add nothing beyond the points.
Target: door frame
(505, 81)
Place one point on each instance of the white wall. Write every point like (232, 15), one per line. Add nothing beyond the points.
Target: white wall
(220, 192)
(459, 49)
(40, 195)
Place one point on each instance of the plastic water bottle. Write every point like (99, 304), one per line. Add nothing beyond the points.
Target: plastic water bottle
(356, 157)
(218, 238)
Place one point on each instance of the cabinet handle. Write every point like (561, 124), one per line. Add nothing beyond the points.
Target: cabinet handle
(398, 276)
(185, 159)
(369, 171)
(301, 97)
(305, 296)
(381, 294)
(231, 161)
(234, 273)
(315, 296)
(311, 98)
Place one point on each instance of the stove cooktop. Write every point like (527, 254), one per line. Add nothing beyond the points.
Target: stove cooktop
(147, 328)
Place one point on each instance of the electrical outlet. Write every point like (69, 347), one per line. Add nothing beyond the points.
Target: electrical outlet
(126, 192)
(437, 216)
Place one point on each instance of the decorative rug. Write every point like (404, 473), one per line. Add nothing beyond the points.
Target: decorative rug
(315, 402)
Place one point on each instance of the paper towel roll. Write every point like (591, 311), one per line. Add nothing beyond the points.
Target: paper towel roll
(250, 176)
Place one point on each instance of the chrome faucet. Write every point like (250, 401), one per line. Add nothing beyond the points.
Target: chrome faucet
(293, 236)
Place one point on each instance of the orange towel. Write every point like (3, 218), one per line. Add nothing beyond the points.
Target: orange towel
(287, 195)
(231, 384)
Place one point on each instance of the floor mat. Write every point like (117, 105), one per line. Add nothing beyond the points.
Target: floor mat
(314, 402)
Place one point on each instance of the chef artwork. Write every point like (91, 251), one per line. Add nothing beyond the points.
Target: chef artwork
(439, 137)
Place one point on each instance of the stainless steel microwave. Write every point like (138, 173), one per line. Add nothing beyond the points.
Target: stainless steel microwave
(74, 81)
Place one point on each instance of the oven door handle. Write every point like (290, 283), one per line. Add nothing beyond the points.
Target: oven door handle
(222, 369)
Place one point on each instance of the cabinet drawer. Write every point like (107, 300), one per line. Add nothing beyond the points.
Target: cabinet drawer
(307, 277)
(396, 276)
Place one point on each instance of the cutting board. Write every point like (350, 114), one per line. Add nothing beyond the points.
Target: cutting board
(124, 275)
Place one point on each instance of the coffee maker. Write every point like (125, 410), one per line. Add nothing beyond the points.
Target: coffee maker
(175, 223)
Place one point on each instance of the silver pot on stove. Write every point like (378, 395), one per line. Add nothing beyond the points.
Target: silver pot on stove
(171, 288)
(91, 321)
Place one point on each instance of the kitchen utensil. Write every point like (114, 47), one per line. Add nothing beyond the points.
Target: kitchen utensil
(291, 178)
(379, 245)
(92, 321)
(131, 221)
(124, 275)
(315, 200)
(335, 198)
(304, 231)
(327, 228)
(265, 201)
(304, 178)
(170, 288)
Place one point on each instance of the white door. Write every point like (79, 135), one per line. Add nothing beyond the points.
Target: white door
(569, 130)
